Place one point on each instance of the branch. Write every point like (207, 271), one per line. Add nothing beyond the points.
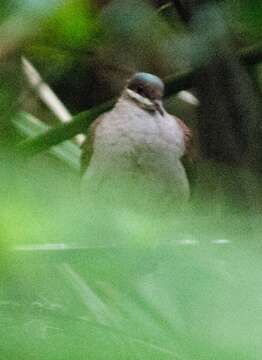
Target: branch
(47, 95)
(54, 136)
(67, 151)
(249, 56)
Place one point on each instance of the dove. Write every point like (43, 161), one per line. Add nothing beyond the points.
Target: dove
(138, 144)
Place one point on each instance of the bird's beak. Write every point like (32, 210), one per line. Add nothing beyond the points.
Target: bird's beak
(158, 106)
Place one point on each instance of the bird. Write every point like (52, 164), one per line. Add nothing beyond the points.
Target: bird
(138, 146)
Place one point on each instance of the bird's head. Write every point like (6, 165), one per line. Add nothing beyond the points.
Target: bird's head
(147, 90)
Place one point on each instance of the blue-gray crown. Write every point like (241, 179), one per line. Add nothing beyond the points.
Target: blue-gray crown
(148, 78)
(148, 85)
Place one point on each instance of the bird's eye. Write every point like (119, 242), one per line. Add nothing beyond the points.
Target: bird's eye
(140, 90)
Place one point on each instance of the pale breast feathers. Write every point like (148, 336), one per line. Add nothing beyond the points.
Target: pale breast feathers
(114, 127)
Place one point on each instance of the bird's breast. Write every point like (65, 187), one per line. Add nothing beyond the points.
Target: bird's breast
(147, 131)
(147, 146)
(132, 138)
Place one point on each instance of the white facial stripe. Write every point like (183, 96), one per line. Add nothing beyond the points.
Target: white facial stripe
(141, 100)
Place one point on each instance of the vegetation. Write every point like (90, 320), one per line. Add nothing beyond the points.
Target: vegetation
(95, 278)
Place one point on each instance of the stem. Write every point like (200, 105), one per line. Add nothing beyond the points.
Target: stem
(80, 122)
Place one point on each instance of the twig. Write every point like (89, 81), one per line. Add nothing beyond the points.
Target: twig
(80, 122)
(63, 132)
(29, 126)
(47, 95)
(164, 7)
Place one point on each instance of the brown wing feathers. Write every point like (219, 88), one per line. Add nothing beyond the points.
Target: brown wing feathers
(88, 145)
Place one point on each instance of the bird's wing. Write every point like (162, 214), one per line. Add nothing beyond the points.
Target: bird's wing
(191, 156)
(188, 136)
(191, 149)
(87, 147)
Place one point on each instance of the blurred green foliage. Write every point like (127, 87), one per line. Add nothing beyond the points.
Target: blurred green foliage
(70, 34)
(89, 280)
(83, 276)
(246, 19)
